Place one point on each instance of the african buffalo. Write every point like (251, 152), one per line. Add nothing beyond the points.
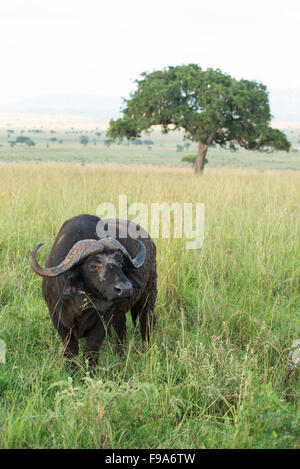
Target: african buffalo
(90, 282)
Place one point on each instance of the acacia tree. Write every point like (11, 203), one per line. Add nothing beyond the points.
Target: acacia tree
(210, 106)
(84, 140)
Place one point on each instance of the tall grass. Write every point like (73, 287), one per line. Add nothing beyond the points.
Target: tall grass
(214, 374)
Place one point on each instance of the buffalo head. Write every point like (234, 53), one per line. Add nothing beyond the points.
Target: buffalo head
(103, 268)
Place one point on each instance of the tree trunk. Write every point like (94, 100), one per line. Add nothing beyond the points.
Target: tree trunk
(200, 158)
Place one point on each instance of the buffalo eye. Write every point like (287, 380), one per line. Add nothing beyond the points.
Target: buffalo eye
(119, 258)
(93, 267)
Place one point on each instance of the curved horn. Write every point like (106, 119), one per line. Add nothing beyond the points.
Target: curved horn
(80, 251)
(77, 253)
(137, 261)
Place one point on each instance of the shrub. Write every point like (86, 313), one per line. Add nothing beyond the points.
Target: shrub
(179, 147)
(189, 159)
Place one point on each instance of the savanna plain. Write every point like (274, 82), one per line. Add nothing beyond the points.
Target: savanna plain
(215, 372)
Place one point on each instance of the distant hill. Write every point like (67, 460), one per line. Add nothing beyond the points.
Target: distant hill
(285, 105)
(104, 107)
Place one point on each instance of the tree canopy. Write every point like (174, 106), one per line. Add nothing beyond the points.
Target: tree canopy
(209, 105)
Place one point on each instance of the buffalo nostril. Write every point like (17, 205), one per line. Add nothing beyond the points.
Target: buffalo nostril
(124, 290)
(118, 290)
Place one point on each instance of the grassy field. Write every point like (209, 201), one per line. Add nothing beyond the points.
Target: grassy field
(214, 375)
(162, 152)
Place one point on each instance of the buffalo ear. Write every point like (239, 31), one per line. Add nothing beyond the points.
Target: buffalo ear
(136, 278)
(71, 284)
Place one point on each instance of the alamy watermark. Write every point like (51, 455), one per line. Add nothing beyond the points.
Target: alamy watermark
(186, 220)
(2, 351)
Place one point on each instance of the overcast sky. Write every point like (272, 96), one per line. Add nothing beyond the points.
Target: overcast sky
(100, 47)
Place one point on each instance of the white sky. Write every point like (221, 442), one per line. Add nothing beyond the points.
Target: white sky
(100, 47)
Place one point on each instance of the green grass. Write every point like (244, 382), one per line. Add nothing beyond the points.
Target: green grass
(214, 375)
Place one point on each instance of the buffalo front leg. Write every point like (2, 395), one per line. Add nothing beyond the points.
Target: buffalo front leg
(94, 339)
(67, 336)
(119, 325)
